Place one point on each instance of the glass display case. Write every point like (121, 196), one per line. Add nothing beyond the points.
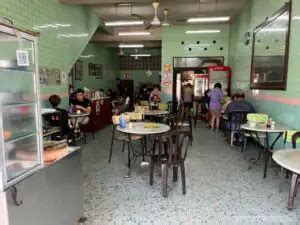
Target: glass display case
(20, 123)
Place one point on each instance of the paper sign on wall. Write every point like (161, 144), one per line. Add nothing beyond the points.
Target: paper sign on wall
(22, 58)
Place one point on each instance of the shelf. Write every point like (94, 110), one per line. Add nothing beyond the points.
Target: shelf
(15, 70)
(16, 104)
(19, 135)
(54, 130)
(20, 138)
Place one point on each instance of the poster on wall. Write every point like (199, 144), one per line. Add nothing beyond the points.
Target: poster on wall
(92, 71)
(99, 71)
(166, 83)
(63, 78)
(54, 77)
(78, 70)
(43, 75)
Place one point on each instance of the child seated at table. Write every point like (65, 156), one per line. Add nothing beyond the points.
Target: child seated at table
(59, 119)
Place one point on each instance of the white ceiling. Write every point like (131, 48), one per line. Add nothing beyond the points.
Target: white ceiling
(179, 11)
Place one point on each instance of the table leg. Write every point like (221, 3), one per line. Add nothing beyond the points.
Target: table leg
(74, 131)
(266, 155)
(268, 151)
(282, 179)
(293, 189)
(129, 157)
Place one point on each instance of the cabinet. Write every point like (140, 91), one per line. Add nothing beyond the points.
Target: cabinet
(21, 152)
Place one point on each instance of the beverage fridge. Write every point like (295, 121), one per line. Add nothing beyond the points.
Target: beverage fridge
(202, 79)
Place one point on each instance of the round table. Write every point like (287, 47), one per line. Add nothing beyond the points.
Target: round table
(290, 160)
(279, 129)
(138, 128)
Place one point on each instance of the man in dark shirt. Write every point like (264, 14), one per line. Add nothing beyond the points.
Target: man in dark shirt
(239, 104)
(81, 103)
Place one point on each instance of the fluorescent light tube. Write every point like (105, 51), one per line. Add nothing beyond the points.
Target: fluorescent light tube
(208, 19)
(124, 23)
(134, 33)
(131, 46)
(202, 31)
(140, 55)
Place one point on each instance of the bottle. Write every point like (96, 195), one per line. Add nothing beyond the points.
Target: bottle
(269, 122)
(122, 121)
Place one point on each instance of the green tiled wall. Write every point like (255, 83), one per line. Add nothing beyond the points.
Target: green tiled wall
(107, 57)
(252, 15)
(65, 31)
(173, 36)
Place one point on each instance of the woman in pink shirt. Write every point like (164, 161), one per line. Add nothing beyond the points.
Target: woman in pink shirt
(215, 105)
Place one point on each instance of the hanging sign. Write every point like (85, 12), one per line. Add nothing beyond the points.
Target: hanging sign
(166, 84)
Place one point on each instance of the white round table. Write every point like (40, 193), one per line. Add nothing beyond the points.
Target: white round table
(138, 128)
(279, 129)
(290, 160)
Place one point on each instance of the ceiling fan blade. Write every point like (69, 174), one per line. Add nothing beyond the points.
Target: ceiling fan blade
(138, 16)
(149, 27)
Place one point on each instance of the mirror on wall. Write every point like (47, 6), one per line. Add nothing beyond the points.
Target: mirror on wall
(270, 51)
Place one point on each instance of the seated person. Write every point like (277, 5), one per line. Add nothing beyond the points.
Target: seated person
(155, 100)
(83, 105)
(55, 120)
(239, 104)
(109, 93)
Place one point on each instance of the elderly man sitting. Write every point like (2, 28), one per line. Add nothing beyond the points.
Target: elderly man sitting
(239, 104)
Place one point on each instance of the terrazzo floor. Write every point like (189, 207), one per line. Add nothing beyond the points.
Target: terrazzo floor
(220, 188)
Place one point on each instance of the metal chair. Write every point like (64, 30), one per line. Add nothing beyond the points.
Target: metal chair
(175, 145)
(235, 120)
(123, 138)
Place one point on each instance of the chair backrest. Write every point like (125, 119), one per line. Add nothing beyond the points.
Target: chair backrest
(134, 116)
(257, 117)
(163, 106)
(171, 120)
(177, 145)
(236, 119)
(294, 139)
(170, 105)
(144, 103)
(54, 119)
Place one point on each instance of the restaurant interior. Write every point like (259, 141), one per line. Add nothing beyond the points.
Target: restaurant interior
(149, 112)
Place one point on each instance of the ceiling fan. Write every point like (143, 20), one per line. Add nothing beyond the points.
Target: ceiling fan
(155, 23)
